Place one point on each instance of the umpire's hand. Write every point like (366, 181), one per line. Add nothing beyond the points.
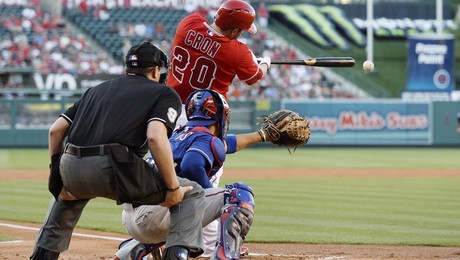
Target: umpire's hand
(174, 197)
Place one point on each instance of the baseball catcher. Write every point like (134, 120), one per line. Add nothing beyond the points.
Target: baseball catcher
(285, 128)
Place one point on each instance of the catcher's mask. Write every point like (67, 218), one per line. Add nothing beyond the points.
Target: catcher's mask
(236, 14)
(145, 55)
(207, 107)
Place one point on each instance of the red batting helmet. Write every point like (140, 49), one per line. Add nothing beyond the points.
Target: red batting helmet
(236, 14)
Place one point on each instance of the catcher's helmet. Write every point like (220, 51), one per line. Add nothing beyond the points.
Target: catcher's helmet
(236, 14)
(206, 107)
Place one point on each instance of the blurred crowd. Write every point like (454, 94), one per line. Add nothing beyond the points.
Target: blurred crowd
(35, 39)
(43, 42)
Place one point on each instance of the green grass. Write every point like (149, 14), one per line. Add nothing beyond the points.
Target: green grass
(398, 211)
(320, 158)
(358, 211)
(27, 201)
(406, 211)
(24, 159)
(307, 157)
(3, 238)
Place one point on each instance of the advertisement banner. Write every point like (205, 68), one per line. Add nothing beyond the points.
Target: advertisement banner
(388, 122)
(430, 63)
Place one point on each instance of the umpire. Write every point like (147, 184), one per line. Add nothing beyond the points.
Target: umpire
(108, 131)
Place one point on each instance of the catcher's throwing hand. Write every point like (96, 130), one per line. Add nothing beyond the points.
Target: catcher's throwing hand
(285, 128)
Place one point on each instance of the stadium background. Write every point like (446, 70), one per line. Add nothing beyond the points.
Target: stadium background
(52, 51)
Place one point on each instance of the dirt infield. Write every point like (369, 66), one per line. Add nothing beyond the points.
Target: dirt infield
(87, 244)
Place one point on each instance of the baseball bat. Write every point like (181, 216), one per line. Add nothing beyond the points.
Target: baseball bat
(320, 62)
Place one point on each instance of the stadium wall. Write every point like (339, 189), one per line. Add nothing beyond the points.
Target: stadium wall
(380, 122)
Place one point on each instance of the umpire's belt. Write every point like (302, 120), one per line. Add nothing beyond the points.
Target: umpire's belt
(83, 151)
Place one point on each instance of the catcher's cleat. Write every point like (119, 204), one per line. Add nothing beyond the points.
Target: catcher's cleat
(123, 243)
(157, 253)
(151, 252)
(244, 251)
(144, 251)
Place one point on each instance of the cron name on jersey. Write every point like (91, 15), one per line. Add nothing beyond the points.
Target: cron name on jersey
(202, 43)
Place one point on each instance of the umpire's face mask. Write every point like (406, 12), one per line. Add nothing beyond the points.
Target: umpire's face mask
(163, 75)
(164, 67)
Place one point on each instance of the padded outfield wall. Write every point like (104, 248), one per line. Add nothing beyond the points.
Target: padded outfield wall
(24, 123)
(380, 122)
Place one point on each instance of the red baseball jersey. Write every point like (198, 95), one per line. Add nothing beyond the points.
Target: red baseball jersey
(202, 58)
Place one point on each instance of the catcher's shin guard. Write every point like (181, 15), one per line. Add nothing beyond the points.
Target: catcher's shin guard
(235, 221)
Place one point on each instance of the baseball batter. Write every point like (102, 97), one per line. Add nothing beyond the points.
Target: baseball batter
(209, 56)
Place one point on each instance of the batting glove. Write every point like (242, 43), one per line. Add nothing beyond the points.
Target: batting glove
(267, 60)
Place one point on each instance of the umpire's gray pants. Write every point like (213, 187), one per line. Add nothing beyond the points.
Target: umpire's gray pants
(85, 178)
(150, 224)
(94, 176)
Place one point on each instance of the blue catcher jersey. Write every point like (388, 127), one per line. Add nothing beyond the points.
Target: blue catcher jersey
(197, 153)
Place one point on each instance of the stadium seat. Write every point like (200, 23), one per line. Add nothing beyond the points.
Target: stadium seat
(99, 29)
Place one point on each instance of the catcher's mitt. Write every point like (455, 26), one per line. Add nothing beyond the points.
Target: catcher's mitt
(285, 128)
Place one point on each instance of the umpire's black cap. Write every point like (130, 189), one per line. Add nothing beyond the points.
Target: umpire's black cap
(146, 55)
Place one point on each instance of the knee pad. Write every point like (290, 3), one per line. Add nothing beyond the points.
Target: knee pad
(235, 221)
(239, 192)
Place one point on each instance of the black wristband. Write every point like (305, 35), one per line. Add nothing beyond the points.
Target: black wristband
(173, 190)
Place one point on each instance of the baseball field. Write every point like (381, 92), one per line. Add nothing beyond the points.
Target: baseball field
(318, 203)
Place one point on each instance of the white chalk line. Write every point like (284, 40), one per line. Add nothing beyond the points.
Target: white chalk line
(122, 239)
(73, 234)
(11, 241)
(299, 255)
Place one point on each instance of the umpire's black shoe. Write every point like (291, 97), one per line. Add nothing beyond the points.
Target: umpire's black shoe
(40, 253)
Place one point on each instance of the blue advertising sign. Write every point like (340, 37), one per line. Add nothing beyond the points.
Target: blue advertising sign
(388, 122)
(430, 62)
